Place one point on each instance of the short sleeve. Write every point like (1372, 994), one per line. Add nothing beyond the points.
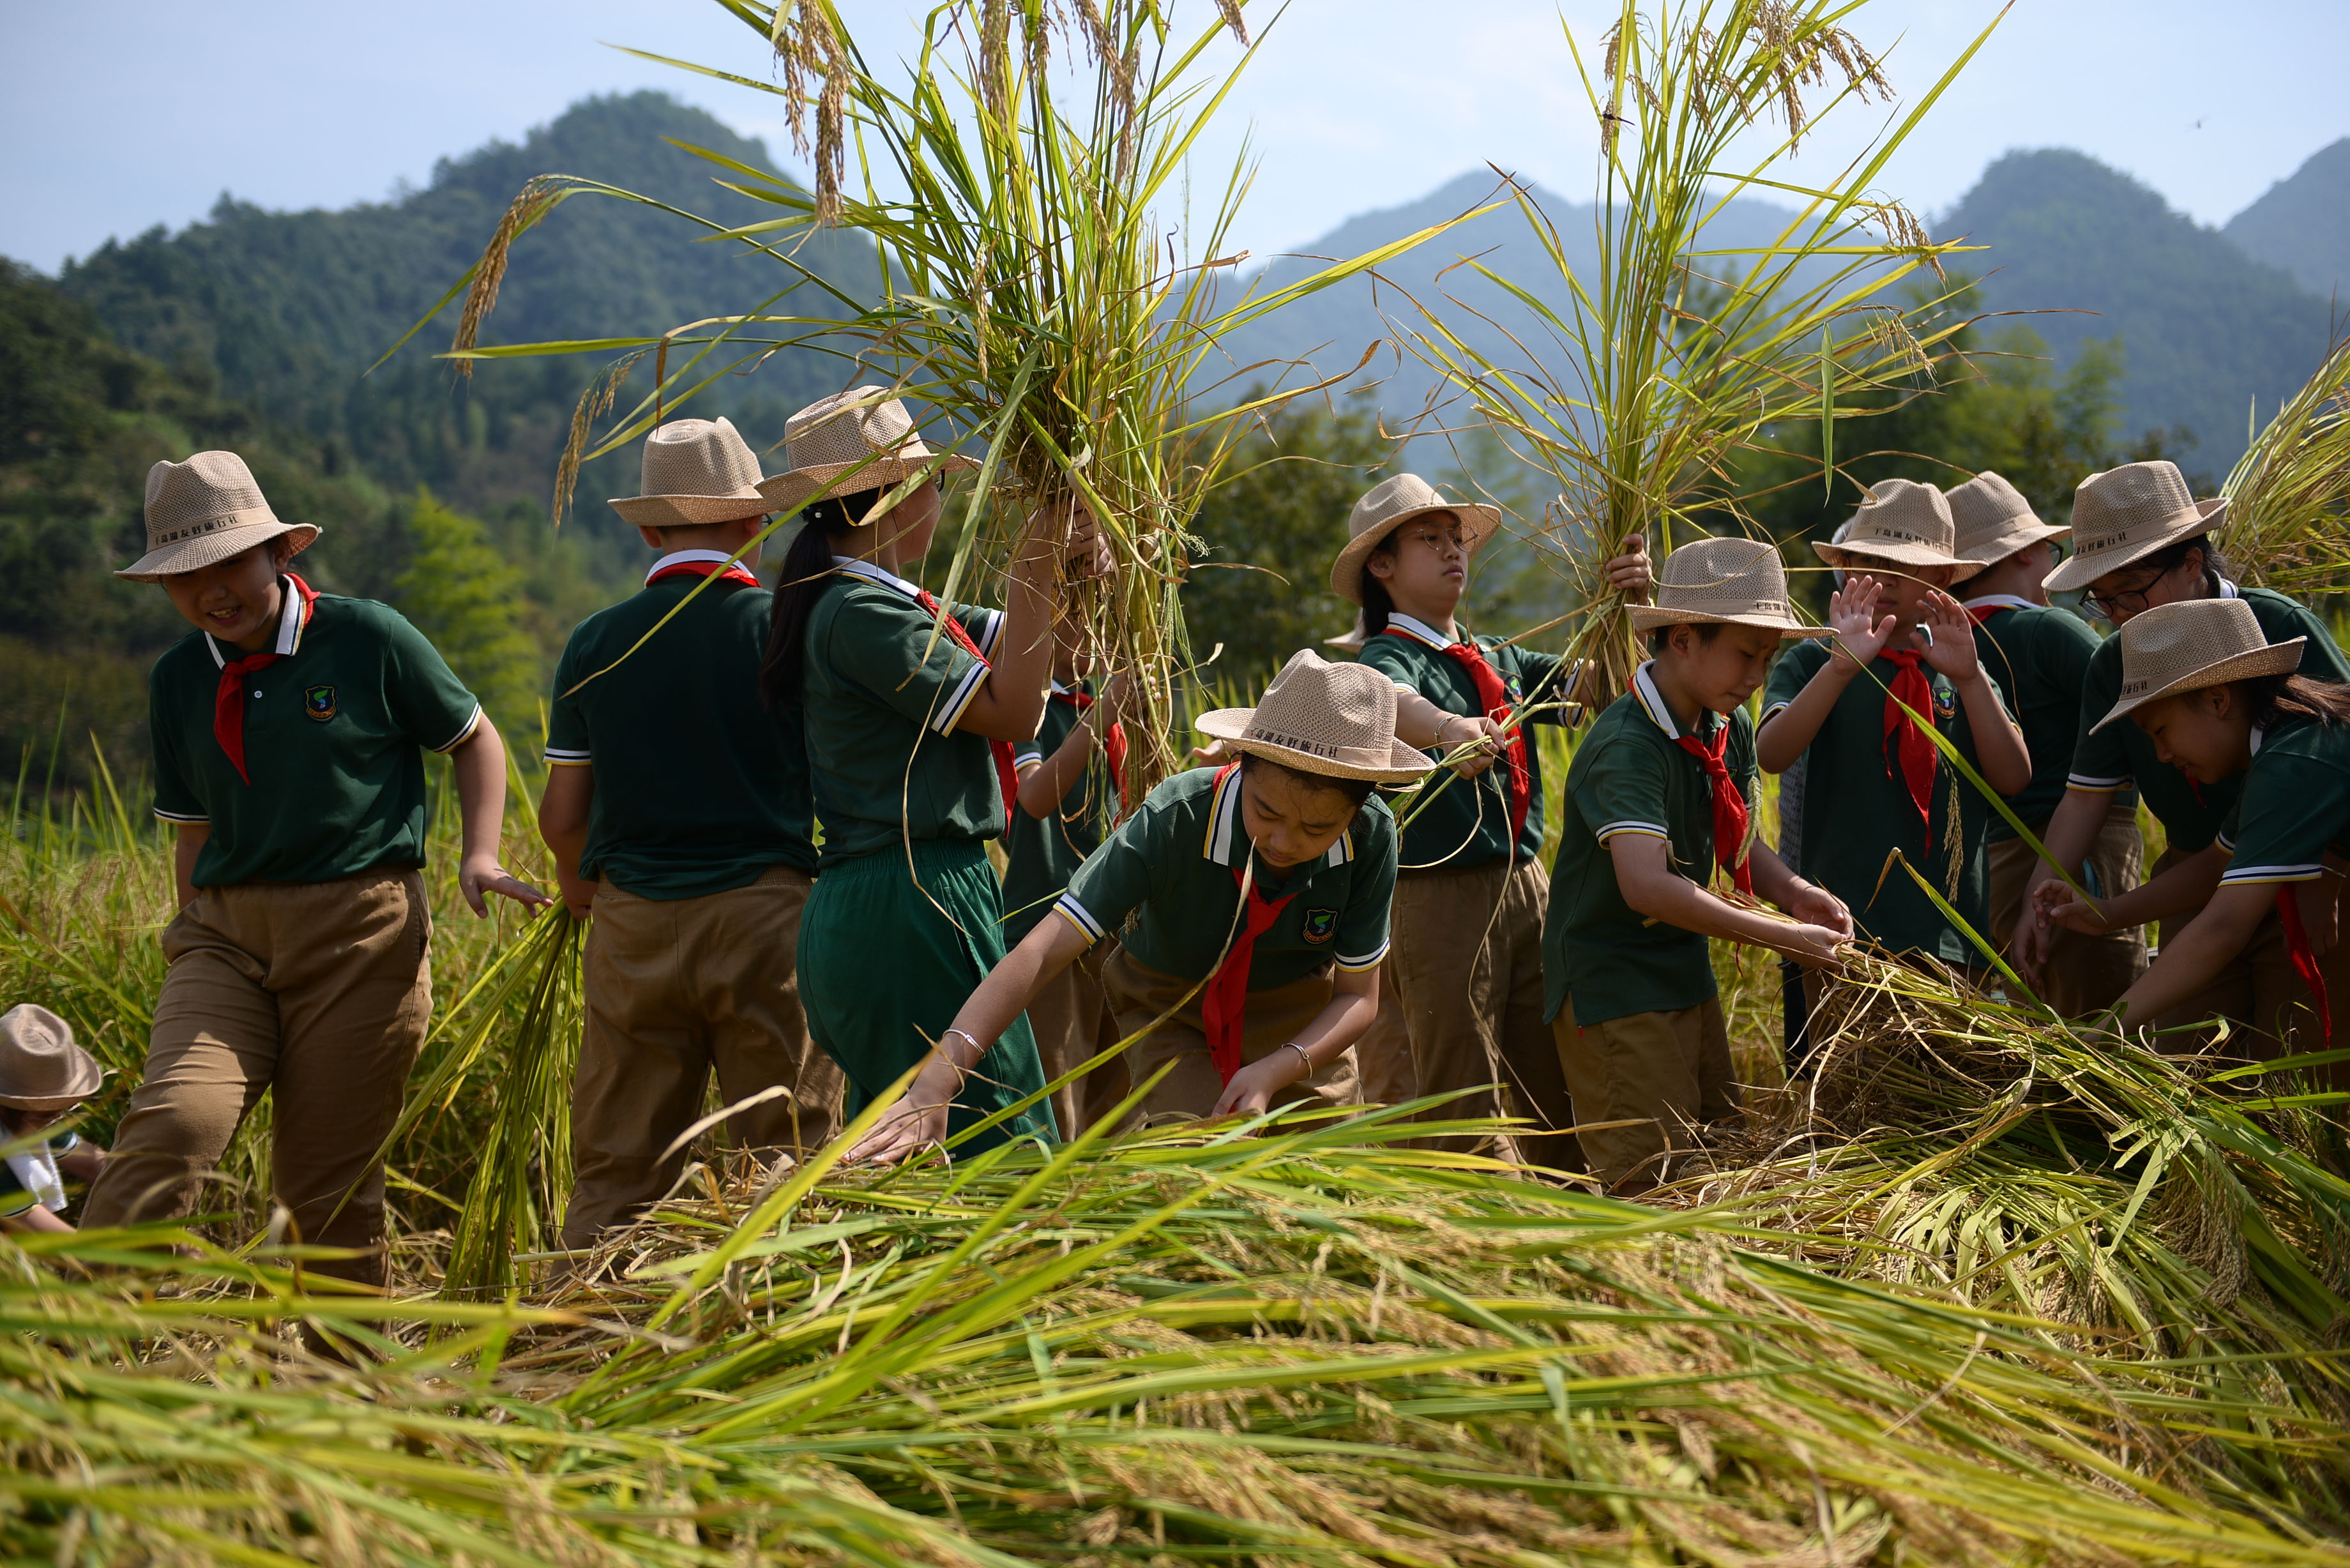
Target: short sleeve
(568, 743)
(1745, 767)
(889, 645)
(1027, 754)
(2101, 762)
(1113, 882)
(1362, 940)
(2291, 808)
(1620, 788)
(175, 798)
(428, 702)
(1791, 674)
(983, 624)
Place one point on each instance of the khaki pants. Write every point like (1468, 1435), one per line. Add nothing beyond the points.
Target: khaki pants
(316, 993)
(2260, 991)
(1137, 995)
(1460, 1003)
(1666, 1073)
(674, 988)
(2083, 974)
(1073, 1022)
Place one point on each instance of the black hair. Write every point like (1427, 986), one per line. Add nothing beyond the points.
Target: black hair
(806, 572)
(1706, 630)
(1376, 603)
(1357, 791)
(2274, 698)
(2215, 565)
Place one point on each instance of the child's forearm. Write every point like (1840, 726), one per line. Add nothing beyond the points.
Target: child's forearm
(1343, 1020)
(2180, 891)
(2072, 832)
(189, 844)
(1009, 988)
(1785, 735)
(2006, 762)
(1776, 881)
(1695, 909)
(480, 767)
(2189, 961)
(1045, 785)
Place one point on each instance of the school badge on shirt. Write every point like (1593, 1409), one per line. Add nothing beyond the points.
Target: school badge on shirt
(318, 701)
(1946, 703)
(1321, 925)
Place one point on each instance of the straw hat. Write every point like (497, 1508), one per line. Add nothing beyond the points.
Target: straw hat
(201, 512)
(1993, 520)
(1323, 718)
(2125, 514)
(1900, 521)
(41, 1068)
(1727, 581)
(1388, 505)
(2192, 644)
(694, 472)
(829, 439)
(1352, 638)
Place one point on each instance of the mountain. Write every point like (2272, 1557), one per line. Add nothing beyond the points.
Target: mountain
(2303, 222)
(2210, 337)
(284, 312)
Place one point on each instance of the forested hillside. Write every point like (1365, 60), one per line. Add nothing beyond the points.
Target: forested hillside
(2303, 222)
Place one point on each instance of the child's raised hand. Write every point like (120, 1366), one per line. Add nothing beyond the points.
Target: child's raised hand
(1629, 573)
(1860, 634)
(1953, 650)
(1214, 754)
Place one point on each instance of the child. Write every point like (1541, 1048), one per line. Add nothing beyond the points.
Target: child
(2142, 541)
(1872, 782)
(1660, 794)
(289, 734)
(43, 1075)
(2219, 700)
(912, 709)
(678, 810)
(1462, 1003)
(1250, 1003)
(2040, 655)
(1067, 802)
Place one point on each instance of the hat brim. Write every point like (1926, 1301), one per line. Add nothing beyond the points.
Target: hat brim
(196, 554)
(795, 487)
(1654, 617)
(1352, 641)
(1840, 556)
(1992, 552)
(1479, 523)
(1404, 764)
(2082, 570)
(690, 511)
(2276, 659)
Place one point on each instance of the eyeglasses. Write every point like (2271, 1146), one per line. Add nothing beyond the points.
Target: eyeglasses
(1437, 538)
(2127, 601)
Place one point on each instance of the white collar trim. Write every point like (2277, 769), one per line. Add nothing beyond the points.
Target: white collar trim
(1998, 601)
(2259, 735)
(290, 625)
(1422, 630)
(687, 557)
(873, 574)
(2229, 590)
(1227, 842)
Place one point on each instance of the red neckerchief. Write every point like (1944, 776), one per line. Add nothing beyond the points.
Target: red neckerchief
(228, 702)
(735, 572)
(1980, 614)
(1730, 814)
(1494, 699)
(2305, 960)
(1910, 746)
(1224, 1004)
(1007, 776)
(1113, 741)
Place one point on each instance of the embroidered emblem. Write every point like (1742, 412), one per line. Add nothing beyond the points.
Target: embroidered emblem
(1321, 925)
(1946, 703)
(1510, 685)
(318, 701)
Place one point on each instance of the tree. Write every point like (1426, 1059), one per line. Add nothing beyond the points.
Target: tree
(462, 593)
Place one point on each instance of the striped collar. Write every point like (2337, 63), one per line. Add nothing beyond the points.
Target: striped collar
(1998, 601)
(1420, 631)
(685, 558)
(882, 576)
(2229, 590)
(1652, 703)
(291, 623)
(1227, 841)
(2259, 735)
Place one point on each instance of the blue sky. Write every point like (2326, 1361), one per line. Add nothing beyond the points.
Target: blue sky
(122, 120)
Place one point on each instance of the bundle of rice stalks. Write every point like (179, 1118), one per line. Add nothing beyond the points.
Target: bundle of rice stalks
(2289, 496)
(1043, 306)
(1307, 1346)
(1680, 348)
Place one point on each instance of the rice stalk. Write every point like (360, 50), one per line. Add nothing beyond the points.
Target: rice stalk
(2288, 523)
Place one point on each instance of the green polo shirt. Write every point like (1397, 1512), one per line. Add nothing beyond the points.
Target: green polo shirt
(2040, 655)
(699, 789)
(885, 689)
(1856, 810)
(2120, 754)
(335, 736)
(1630, 775)
(1466, 822)
(1041, 856)
(2294, 804)
(1166, 884)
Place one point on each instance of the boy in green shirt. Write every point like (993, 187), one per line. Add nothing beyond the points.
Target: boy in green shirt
(1872, 783)
(678, 810)
(1660, 794)
(290, 730)
(2039, 654)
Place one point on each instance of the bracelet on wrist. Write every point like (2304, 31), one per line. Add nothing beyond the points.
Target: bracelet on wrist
(1305, 1061)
